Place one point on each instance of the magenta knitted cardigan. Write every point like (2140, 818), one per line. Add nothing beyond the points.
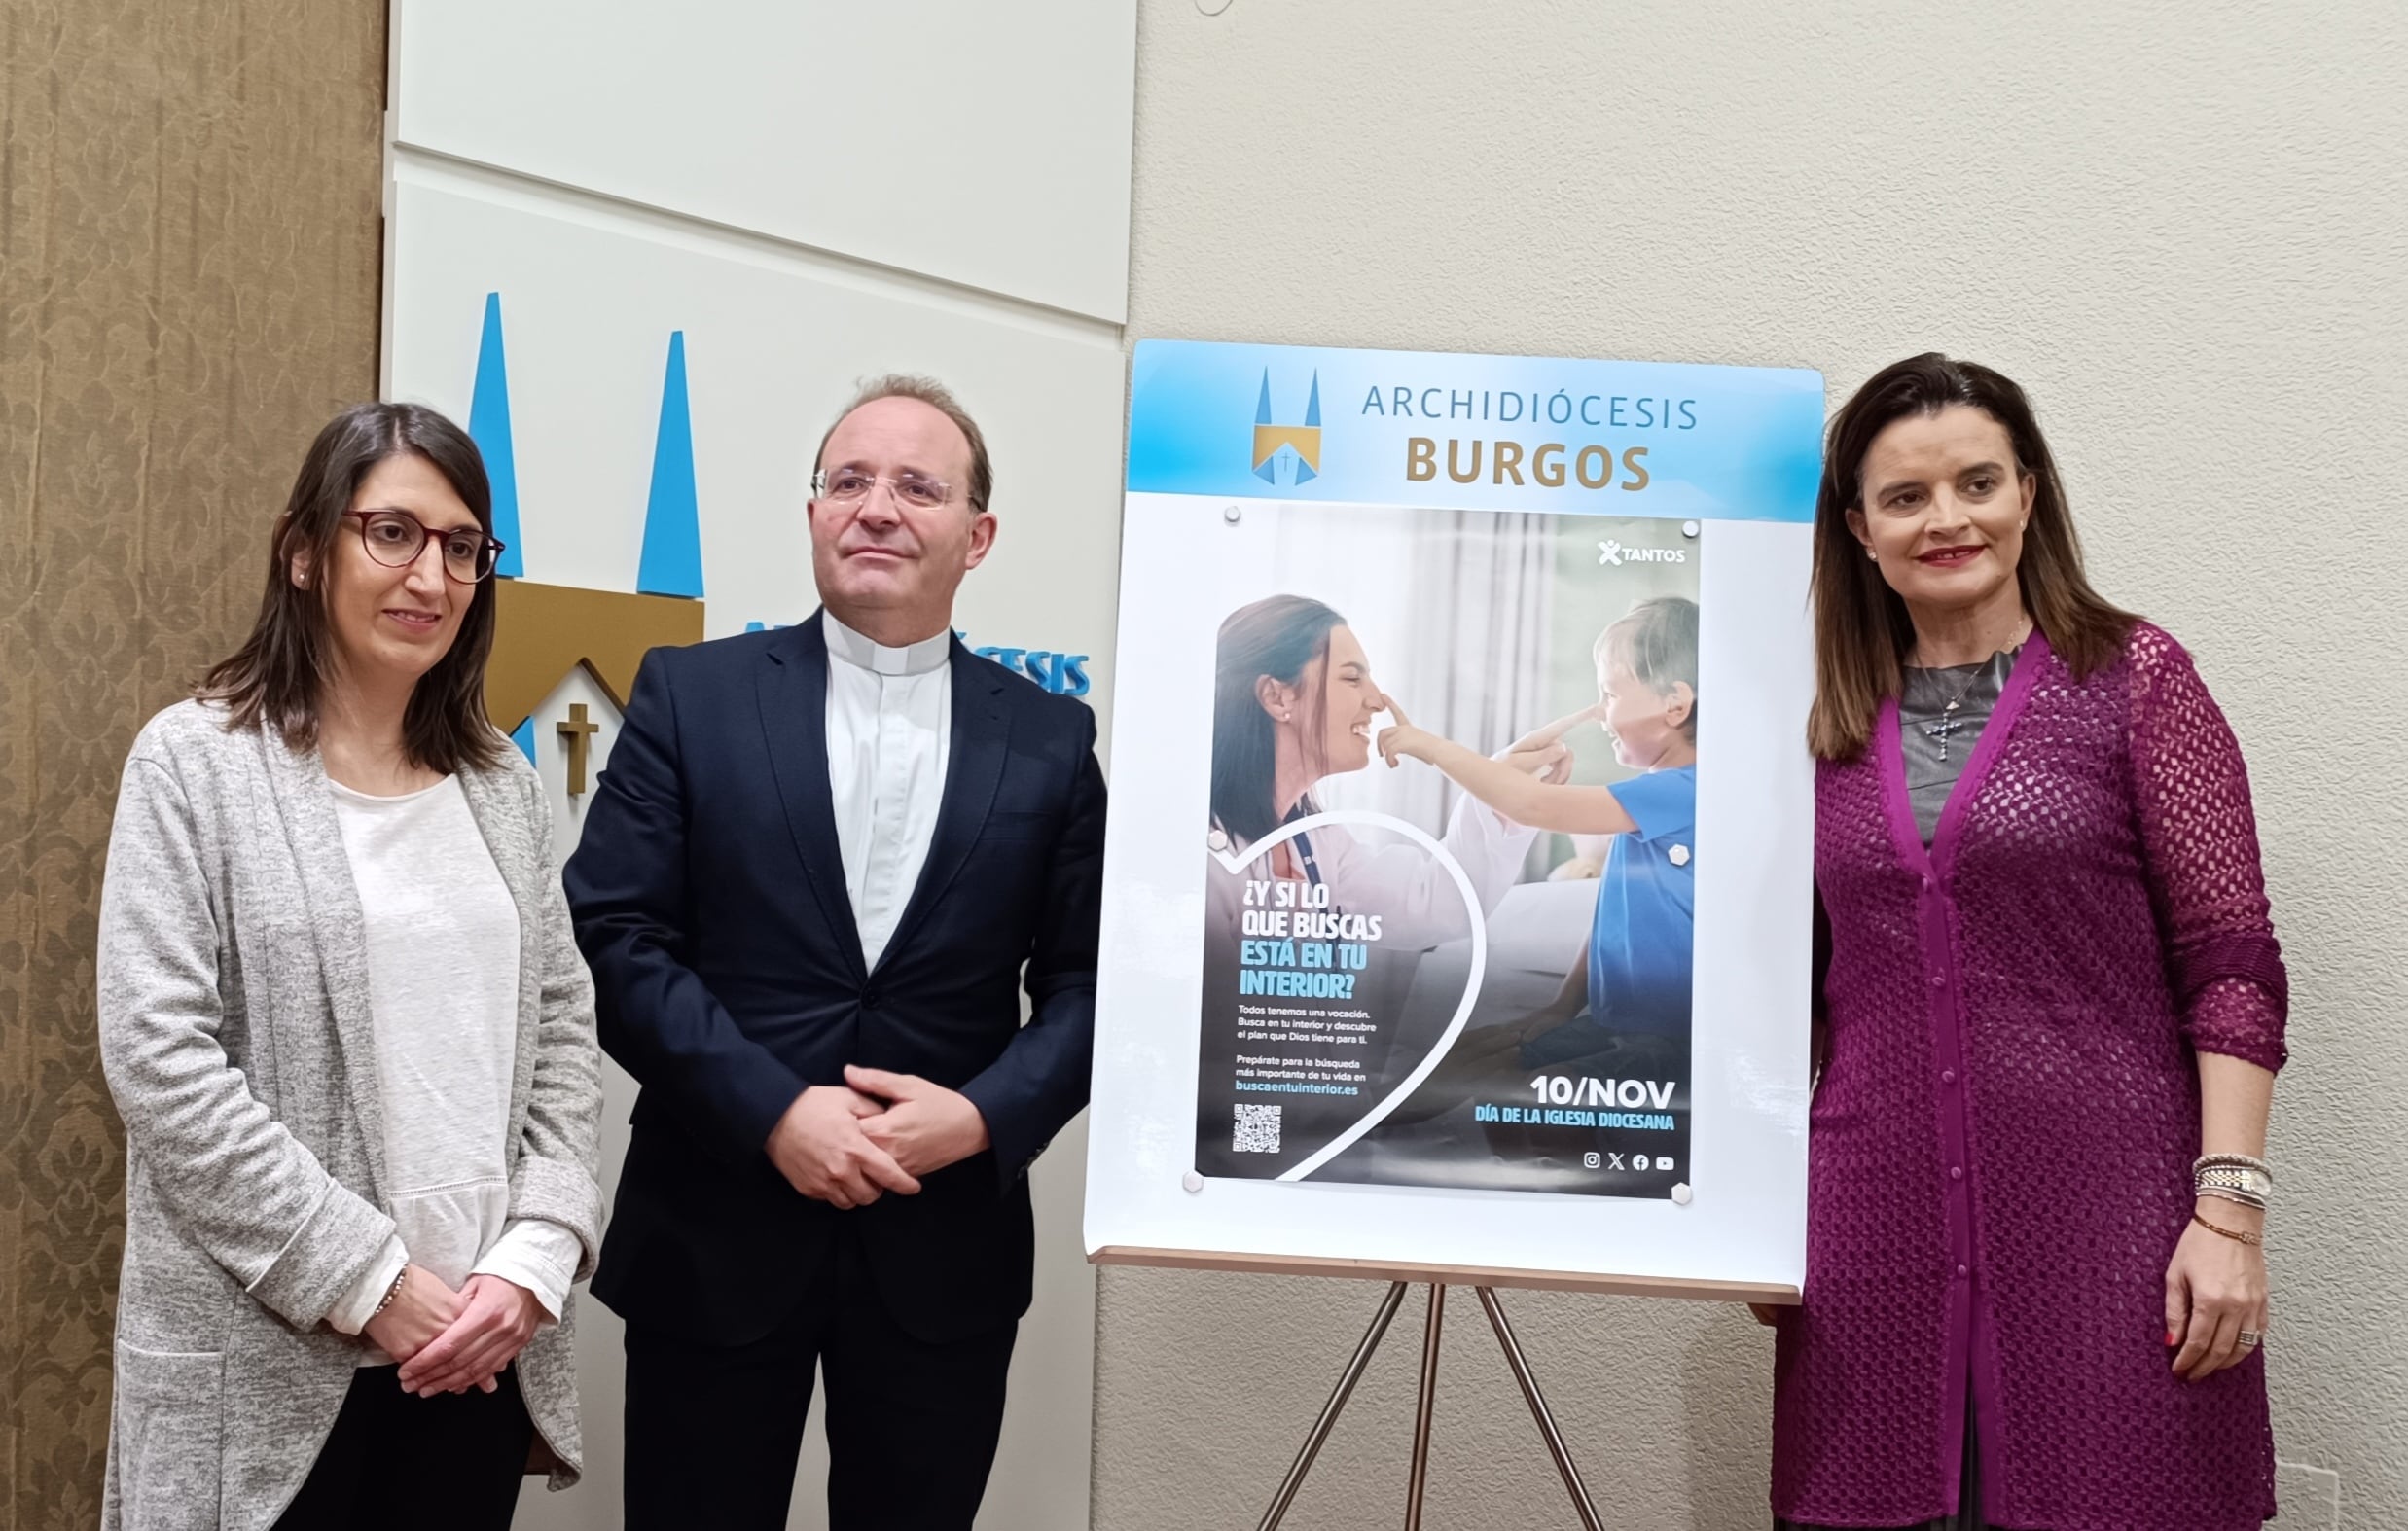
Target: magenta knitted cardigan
(2001, 1141)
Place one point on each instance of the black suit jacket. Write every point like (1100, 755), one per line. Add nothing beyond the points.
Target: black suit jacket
(710, 900)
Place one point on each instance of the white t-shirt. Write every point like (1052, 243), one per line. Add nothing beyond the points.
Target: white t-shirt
(442, 934)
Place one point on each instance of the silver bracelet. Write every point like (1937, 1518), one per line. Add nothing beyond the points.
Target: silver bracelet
(2244, 1179)
(2227, 1194)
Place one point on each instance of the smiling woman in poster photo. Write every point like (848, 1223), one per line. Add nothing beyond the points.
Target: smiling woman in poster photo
(352, 1039)
(2050, 1010)
(1294, 702)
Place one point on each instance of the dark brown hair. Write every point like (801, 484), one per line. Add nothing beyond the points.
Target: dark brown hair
(275, 678)
(1278, 637)
(1862, 634)
(936, 396)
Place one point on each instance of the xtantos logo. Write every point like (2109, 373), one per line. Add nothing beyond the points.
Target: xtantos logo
(1613, 555)
(1293, 450)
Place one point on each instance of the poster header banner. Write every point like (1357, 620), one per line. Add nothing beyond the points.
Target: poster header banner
(1461, 432)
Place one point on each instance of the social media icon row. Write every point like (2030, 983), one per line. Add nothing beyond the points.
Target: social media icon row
(1662, 1162)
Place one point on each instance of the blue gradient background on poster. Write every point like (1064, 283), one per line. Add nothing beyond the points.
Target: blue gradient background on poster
(1754, 453)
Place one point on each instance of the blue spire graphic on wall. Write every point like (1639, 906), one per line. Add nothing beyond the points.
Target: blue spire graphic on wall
(489, 424)
(673, 560)
(523, 736)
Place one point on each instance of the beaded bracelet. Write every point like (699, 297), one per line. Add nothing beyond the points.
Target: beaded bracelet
(390, 1292)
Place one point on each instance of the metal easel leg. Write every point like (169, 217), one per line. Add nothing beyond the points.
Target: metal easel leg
(1346, 1380)
(1424, 1409)
(1539, 1412)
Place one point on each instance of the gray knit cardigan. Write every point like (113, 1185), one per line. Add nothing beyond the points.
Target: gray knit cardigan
(235, 1034)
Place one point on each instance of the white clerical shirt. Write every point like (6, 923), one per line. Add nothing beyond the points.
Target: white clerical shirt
(890, 725)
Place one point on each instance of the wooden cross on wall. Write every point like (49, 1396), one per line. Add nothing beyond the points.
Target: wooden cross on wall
(575, 734)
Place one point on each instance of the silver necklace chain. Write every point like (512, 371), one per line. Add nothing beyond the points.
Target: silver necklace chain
(1946, 726)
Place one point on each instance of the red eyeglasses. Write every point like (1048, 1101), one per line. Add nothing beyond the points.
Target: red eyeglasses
(396, 538)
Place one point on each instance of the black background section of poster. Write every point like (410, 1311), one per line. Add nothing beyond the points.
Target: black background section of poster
(1432, 1139)
(1307, 1121)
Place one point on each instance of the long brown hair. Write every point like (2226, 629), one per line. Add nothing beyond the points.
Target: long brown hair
(1276, 638)
(274, 678)
(1862, 634)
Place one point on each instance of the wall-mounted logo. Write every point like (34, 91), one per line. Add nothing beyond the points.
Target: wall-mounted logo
(1288, 453)
(1613, 555)
(1062, 674)
(546, 633)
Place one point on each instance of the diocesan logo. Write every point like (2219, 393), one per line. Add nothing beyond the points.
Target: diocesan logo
(1287, 453)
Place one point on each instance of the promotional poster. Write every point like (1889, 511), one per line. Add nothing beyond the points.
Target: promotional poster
(1455, 875)
(1458, 845)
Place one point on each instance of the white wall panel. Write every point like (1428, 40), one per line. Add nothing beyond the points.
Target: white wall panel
(984, 144)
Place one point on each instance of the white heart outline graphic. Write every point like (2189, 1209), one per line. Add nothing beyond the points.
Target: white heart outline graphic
(1238, 862)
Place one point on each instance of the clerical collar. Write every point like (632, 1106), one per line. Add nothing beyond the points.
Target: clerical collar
(918, 659)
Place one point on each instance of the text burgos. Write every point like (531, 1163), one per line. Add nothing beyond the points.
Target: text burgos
(1551, 465)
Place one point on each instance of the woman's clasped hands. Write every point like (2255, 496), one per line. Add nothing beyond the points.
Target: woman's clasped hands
(450, 1341)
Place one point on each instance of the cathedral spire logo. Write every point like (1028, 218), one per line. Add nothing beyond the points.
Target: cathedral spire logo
(546, 633)
(1287, 453)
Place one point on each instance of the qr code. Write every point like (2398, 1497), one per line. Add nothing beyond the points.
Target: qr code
(1257, 1130)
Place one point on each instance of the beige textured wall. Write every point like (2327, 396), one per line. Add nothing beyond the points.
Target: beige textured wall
(189, 249)
(2184, 227)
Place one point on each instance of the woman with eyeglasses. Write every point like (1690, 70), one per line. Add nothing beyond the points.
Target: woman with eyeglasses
(348, 1030)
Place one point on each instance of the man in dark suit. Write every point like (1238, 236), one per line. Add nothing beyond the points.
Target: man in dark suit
(813, 881)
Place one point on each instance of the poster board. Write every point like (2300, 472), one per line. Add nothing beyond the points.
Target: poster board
(1353, 1016)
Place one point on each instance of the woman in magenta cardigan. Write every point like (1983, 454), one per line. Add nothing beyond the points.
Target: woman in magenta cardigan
(2052, 1009)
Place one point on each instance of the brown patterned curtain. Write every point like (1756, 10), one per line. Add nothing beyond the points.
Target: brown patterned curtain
(189, 249)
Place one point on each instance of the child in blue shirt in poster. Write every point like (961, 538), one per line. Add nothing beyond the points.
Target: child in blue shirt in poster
(1633, 977)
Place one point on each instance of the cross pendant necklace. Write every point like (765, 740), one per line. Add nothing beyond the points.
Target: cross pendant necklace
(1949, 722)
(1944, 728)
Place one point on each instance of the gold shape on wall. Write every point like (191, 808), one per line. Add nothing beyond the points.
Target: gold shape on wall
(543, 632)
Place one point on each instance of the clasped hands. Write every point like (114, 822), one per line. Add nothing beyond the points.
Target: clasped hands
(450, 1341)
(849, 1144)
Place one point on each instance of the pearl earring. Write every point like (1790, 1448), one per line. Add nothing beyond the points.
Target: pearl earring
(1875, 557)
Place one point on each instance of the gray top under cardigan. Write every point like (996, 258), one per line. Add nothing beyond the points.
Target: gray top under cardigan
(235, 1035)
(1936, 743)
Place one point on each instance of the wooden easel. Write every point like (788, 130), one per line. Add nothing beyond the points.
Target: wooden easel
(1483, 1280)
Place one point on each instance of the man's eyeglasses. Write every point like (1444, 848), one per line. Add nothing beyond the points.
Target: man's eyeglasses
(852, 486)
(396, 538)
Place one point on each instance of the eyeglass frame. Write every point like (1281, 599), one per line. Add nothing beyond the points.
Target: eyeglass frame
(492, 545)
(893, 482)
